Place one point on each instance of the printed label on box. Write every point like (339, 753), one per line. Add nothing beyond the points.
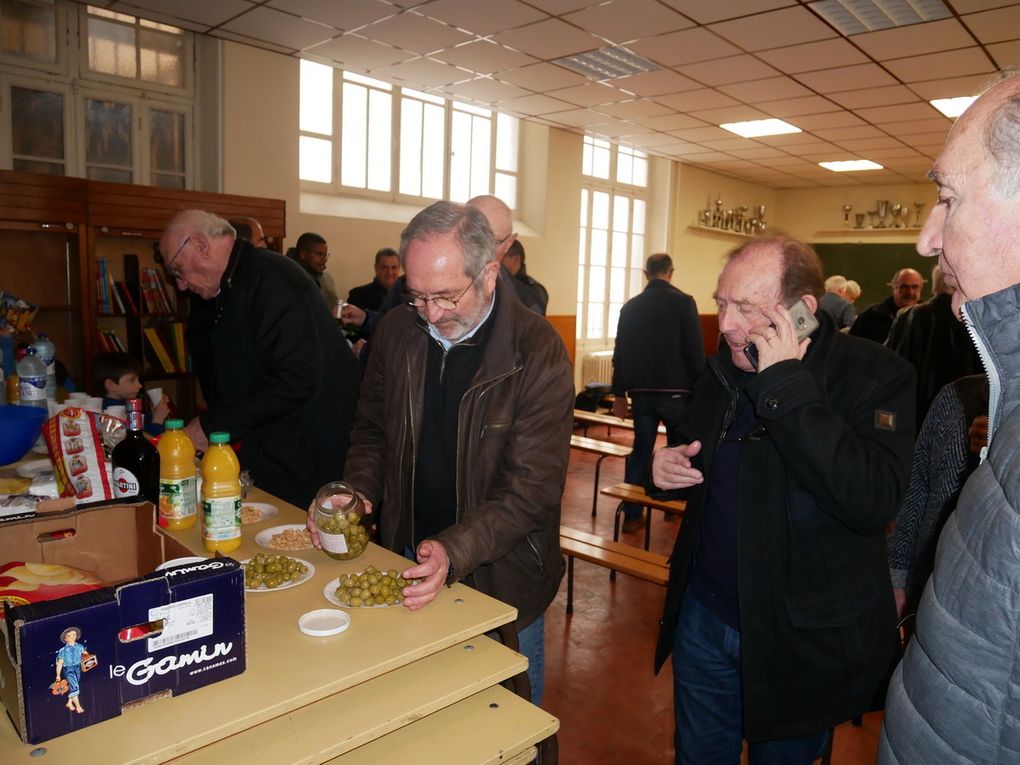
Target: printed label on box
(183, 621)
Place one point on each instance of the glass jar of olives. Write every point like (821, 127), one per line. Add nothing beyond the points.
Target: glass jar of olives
(338, 518)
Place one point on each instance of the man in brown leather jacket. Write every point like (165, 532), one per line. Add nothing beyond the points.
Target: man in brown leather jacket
(463, 427)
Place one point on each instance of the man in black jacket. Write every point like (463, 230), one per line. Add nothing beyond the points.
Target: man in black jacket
(369, 297)
(658, 356)
(779, 611)
(282, 379)
(876, 321)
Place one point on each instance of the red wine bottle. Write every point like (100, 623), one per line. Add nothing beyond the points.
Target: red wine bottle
(135, 460)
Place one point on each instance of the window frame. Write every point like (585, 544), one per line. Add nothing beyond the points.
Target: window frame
(61, 65)
(9, 80)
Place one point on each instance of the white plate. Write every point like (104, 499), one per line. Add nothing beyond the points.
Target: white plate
(180, 562)
(267, 510)
(329, 590)
(32, 468)
(286, 585)
(263, 537)
(324, 622)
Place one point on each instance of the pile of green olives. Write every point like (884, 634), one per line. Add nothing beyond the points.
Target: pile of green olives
(348, 524)
(270, 571)
(372, 588)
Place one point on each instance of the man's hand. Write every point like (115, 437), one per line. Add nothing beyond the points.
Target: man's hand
(671, 467)
(620, 407)
(161, 410)
(978, 434)
(777, 342)
(313, 530)
(433, 568)
(197, 435)
(352, 315)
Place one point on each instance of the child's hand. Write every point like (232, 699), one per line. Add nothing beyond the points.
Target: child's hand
(161, 410)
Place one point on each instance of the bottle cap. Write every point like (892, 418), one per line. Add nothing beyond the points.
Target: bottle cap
(174, 424)
(219, 438)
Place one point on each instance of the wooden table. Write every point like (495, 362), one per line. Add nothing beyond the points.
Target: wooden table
(397, 686)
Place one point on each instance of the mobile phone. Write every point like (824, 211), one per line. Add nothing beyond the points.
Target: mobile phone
(803, 321)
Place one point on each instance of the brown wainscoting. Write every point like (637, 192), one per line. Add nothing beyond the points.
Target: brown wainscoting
(566, 327)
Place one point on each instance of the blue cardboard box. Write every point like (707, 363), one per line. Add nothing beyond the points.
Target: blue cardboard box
(76, 661)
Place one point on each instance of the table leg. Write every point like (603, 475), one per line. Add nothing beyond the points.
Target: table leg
(595, 494)
(648, 527)
(549, 751)
(570, 584)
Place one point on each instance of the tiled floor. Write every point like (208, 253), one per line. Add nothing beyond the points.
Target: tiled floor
(599, 680)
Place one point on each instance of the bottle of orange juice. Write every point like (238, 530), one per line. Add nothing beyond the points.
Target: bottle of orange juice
(178, 482)
(221, 496)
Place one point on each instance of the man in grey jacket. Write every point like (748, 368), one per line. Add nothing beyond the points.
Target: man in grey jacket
(954, 696)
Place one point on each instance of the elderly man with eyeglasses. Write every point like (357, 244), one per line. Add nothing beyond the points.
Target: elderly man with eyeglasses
(276, 372)
(463, 427)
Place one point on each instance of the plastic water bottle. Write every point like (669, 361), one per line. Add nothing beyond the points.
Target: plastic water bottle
(47, 351)
(32, 380)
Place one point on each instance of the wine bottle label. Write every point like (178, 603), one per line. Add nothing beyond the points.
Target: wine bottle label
(178, 498)
(221, 518)
(125, 483)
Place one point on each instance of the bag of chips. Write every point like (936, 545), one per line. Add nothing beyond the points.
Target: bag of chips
(22, 583)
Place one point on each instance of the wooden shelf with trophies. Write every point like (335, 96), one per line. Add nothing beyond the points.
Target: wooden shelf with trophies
(876, 223)
(740, 222)
(720, 232)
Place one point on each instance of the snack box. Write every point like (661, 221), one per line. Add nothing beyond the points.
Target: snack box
(149, 634)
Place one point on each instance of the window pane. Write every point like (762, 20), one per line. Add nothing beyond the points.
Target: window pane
(354, 144)
(582, 247)
(316, 110)
(594, 321)
(111, 48)
(640, 170)
(107, 133)
(162, 57)
(584, 207)
(598, 247)
(460, 157)
(614, 318)
(29, 30)
(410, 146)
(109, 174)
(600, 160)
(506, 142)
(596, 283)
(586, 160)
(619, 249)
(600, 210)
(638, 225)
(315, 159)
(481, 155)
(621, 209)
(617, 286)
(624, 167)
(506, 189)
(167, 141)
(37, 123)
(637, 282)
(380, 145)
(168, 181)
(580, 280)
(637, 251)
(45, 168)
(360, 78)
(434, 152)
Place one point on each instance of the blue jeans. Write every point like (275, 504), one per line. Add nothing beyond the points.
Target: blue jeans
(707, 698)
(649, 410)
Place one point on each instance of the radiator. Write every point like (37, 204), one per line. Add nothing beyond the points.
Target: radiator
(597, 367)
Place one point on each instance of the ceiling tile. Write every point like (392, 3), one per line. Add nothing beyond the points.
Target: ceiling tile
(686, 47)
(817, 55)
(342, 14)
(726, 144)
(480, 18)
(483, 56)
(770, 89)
(950, 88)
(924, 139)
(702, 134)
(973, 6)
(900, 153)
(533, 104)
(200, 11)
(914, 40)
(191, 24)
(413, 32)
(280, 28)
(543, 77)
(891, 94)
(796, 107)
(624, 20)
(830, 120)
(739, 113)
(758, 152)
(245, 40)
(615, 129)
(682, 149)
(727, 70)
(706, 13)
(775, 29)
(577, 117)
(559, 7)
(550, 39)
(656, 83)
(359, 54)
(902, 112)
(846, 78)
(635, 109)
(937, 66)
(995, 26)
(590, 94)
(1005, 53)
(653, 140)
(422, 73)
(935, 124)
(847, 133)
(671, 122)
(709, 156)
(867, 144)
(693, 100)
(488, 91)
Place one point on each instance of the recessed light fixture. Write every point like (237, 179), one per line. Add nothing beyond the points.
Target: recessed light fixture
(758, 128)
(953, 107)
(852, 17)
(607, 63)
(850, 165)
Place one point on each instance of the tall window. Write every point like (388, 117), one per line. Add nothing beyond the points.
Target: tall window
(611, 237)
(401, 144)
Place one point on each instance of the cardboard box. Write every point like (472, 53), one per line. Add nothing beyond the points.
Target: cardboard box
(151, 634)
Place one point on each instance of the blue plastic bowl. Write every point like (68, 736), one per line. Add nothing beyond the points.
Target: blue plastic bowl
(19, 428)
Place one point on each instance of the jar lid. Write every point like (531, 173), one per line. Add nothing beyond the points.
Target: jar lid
(324, 622)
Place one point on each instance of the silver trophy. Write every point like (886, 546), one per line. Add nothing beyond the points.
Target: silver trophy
(918, 206)
(895, 210)
(859, 217)
(846, 215)
(882, 206)
(759, 221)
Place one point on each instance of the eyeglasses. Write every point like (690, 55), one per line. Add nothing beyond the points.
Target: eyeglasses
(175, 274)
(442, 303)
(499, 242)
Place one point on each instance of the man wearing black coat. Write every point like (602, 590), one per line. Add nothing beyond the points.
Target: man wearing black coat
(779, 611)
(282, 379)
(877, 320)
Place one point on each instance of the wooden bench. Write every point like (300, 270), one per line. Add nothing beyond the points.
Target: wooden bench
(635, 495)
(588, 419)
(615, 556)
(603, 449)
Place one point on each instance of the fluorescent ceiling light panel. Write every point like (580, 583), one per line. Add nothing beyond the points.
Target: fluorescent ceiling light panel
(758, 128)
(853, 17)
(953, 107)
(850, 165)
(607, 63)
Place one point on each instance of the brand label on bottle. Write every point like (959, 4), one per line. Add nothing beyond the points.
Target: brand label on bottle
(221, 518)
(32, 388)
(125, 483)
(334, 543)
(178, 498)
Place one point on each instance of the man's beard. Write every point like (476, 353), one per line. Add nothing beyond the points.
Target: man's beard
(461, 325)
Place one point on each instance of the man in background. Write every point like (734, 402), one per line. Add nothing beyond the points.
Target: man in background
(834, 302)
(516, 265)
(876, 321)
(312, 252)
(659, 355)
(370, 296)
(250, 229)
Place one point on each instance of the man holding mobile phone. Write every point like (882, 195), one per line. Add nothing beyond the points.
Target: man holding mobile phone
(779, 612)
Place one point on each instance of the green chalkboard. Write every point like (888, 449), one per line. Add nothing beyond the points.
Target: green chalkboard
(872, 266)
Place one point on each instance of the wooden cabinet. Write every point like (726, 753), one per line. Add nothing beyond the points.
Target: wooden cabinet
(54, 230)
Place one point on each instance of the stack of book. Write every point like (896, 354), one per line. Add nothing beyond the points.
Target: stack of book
(154, 294)
(164, 346)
